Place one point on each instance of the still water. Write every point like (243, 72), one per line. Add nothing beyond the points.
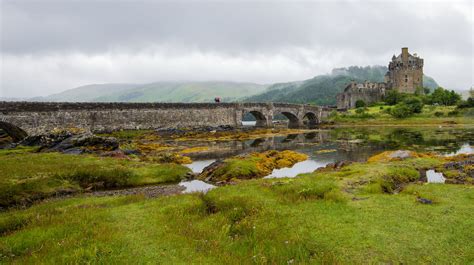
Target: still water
(331, 145)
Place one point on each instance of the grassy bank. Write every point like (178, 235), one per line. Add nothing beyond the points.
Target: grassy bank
(26, 176)
(430, 115)
(362, 213)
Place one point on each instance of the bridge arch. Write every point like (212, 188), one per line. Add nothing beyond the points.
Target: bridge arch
(15, 132)
(293, 121)
(261, 120)
(310, 119)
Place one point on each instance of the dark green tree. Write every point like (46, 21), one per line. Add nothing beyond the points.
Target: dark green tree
(415, 104)
(360, 103)
(401, 111)
(445, 97)
(393, 97)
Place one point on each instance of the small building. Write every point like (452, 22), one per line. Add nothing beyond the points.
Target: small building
(405, 74)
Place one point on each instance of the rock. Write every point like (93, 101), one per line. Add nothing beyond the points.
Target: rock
(87, 142)
(69, 143)
(424, 201)
(131, 152)
(336, 165)
(401, 154)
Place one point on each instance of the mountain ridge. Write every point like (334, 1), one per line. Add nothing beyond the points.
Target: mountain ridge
(321, 89)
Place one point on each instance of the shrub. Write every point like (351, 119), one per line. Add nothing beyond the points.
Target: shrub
(393, 97)
(415, 104)
(401, 111)
(453, 113)
(438, 113)
(463, 104)
(360, 103)
(360, 110)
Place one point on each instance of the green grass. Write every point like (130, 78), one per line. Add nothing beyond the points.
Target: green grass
(324, 217)
(376, 116)
(26, 176)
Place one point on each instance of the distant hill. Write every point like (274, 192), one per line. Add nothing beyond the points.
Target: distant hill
(158, 92)
(319, 90)
(322, 89)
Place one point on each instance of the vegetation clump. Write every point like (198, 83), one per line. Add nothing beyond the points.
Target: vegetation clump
(254, 165)
(27, 176)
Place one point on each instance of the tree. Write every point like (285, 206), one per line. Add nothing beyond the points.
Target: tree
(445, 97)
(401, 111)
(415, 104)
(393, 97)
(360, 103)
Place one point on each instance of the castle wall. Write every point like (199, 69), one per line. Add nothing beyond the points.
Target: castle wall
(347, 100)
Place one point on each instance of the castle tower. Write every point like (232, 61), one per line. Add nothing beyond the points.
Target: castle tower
(405, 72)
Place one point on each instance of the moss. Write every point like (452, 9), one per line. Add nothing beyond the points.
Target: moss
(167, 158)
(196, 149)
(254, 165)
(387, 156)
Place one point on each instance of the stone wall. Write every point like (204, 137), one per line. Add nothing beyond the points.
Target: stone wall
(39, 117)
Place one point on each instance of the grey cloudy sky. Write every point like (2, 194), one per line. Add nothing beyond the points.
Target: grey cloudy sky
(51, 46)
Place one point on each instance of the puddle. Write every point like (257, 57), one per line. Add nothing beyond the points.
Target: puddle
(196, 186)
(198, 166)
(306, 166)
(434, 177)
(465, 149)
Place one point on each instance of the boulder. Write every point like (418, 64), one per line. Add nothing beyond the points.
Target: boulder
(70, 143)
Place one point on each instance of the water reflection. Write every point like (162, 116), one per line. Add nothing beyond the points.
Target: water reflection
(198, 166)
(434, 177)
(196, 186)
(298, 168)
(354, 144)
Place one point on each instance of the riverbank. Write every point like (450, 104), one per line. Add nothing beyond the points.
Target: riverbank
(430, 116)
(381, 211)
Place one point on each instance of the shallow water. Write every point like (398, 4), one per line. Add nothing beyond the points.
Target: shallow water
(435, 177)
(196, 186)
(198, 166)
(298, 168)
(351, 144)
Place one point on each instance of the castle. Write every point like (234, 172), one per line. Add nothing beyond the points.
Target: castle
(405, 74)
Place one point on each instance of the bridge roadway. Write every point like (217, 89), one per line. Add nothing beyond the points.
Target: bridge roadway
(22, 118)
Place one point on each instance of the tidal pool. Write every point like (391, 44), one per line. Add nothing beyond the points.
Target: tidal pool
(306, 166)
(435, 177)
(196, 186)
(198, 166)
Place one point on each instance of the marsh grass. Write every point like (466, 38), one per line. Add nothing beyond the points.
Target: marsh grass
(430, 115)
(322, 217)
(27, 176)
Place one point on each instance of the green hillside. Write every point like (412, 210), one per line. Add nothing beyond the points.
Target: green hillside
(322, 89)
(319, 90)
(159, 92)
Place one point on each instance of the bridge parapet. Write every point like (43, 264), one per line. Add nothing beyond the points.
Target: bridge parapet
(40, 117)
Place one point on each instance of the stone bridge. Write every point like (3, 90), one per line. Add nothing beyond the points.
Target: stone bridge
(21, 118)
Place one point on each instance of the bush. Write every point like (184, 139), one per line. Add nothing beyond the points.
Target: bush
(360, 110)
(438, 114)
(360, 103)
(415, 104)
(464, 104)
(393, 97)
(453, 113)
(401, 111)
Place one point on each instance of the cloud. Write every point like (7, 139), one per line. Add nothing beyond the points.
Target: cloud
(50, 46)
